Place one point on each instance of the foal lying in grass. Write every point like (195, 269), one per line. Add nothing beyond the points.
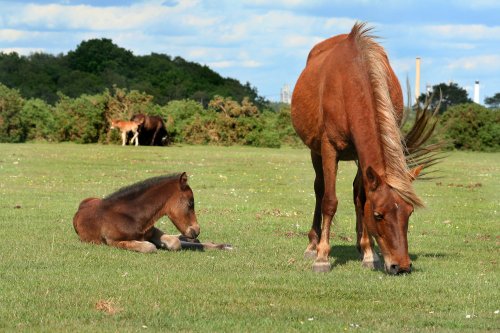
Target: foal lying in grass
(126, 218)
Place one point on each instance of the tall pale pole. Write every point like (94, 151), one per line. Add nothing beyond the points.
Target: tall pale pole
(417, 79)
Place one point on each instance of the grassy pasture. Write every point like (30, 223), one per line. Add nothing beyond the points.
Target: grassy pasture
(261, 201)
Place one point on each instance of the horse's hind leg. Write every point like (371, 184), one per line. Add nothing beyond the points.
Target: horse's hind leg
(319, 190)
(136, 138)
(133, 245)
(364, 241)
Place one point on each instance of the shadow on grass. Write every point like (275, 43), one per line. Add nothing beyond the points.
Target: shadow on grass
(342, 254)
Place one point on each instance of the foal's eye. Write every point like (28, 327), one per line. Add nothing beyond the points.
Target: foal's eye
(378, 216)
(191, 204)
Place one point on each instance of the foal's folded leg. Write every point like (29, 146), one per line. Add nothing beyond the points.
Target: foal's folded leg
(164, 241)
(139, 246)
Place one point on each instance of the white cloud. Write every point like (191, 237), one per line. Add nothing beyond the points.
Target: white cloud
(489, 62)
(56, 16)
(11, 35)
(21, 50)
(463, 31)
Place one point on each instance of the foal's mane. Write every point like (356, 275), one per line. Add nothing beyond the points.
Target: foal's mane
(138, 188)
(376, 61)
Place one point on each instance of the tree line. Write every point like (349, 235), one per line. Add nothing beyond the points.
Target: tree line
(72, 97)
(99, 64)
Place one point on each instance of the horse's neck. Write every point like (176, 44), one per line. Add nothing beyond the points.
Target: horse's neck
(367, 139)
(151, 208)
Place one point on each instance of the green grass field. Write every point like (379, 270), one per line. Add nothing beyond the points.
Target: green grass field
(260, 201)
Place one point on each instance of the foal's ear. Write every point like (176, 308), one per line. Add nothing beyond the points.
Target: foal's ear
(183, 180)
(415, 172)
(373, 178)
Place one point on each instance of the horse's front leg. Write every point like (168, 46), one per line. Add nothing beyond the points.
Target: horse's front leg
(124, 138)
(319, 190)
(162, 240)
(328, 205)
(154, 135)
(364, 242)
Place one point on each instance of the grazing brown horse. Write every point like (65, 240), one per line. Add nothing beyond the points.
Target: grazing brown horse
(126, 218)
(152, 130)
(348, 105)
(125, 127)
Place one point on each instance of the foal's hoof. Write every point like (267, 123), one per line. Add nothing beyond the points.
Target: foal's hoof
(310, 254)
(227, 247)
(371, 265)
(322, 267)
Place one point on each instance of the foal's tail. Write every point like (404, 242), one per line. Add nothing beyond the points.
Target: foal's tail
(418, 151)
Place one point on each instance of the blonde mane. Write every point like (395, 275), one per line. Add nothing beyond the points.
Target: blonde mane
(397, 172)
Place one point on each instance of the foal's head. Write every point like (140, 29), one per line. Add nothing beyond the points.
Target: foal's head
(180, 209)
(386, 216)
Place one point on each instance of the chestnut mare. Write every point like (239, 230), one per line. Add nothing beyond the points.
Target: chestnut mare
(152, 130)
(125, 127)
(126, 218)
(348, 105)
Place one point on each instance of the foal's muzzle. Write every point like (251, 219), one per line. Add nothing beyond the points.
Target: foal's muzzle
(192, 232)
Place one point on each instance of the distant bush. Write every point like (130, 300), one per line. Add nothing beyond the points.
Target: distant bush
(11, 126)
(472, 127)
(86, 119)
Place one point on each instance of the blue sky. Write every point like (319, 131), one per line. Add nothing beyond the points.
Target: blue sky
(266, 42)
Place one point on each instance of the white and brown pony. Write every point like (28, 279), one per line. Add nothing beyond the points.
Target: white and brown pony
(125, 127)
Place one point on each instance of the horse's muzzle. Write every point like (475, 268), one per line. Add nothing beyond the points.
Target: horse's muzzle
(192, 232)
(397, 270)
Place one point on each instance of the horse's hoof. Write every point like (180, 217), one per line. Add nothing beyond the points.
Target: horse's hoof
(227, 247)
(309, 254)
(322, 267)
(371, 264)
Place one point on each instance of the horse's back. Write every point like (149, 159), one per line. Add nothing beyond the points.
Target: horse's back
(86, 221)
(333, 86)
(320, 86)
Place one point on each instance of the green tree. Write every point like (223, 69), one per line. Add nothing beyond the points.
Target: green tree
(452, 95)
(493, 102)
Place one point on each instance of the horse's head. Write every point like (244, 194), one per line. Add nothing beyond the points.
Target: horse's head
(386, 216)
(180, 209)
(114, 123)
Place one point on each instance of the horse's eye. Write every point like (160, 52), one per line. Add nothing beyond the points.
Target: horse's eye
(378, 216)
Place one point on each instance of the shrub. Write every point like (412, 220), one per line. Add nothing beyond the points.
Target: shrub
(472, 127)
(82, 119)
(11, 126)
(38, 120)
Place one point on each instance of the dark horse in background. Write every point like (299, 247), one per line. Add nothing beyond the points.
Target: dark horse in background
(348, 105)
(152, 131)
(126, 218)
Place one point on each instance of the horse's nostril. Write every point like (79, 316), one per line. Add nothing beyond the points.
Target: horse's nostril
(194, 232)
(394, 269)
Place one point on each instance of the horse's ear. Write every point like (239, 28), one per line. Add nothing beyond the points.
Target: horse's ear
(415, 172)
(373, 178)
(183, 180)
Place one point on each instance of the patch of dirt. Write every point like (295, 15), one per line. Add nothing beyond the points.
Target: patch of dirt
(107, 306)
